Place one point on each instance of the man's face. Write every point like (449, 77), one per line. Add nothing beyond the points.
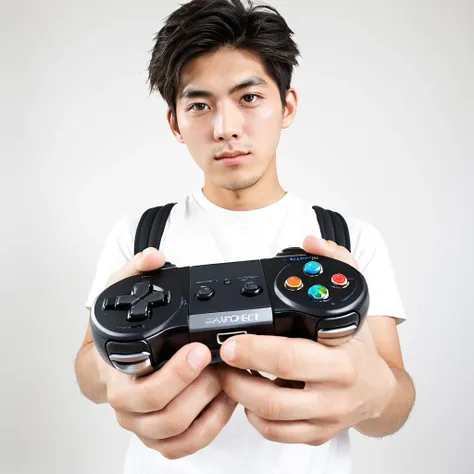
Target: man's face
(228, 105)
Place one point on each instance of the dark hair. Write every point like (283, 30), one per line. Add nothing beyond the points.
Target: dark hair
(204, 26)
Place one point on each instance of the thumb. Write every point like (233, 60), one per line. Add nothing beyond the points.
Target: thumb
(328, 248)
(146, 261)
(317, 246)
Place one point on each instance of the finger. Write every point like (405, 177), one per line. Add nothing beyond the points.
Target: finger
(201, 433)
(153, 392)
(148, 260)
(265, 399)
(292, 431)
(289, 358)
(178, 415)
(328, 248)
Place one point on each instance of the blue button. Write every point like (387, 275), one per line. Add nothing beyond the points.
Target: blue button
(313, 268)
(318, 292)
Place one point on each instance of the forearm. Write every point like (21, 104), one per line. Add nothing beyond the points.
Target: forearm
(88, 374)
(396, 413)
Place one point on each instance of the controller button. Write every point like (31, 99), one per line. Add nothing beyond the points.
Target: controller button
(293, 283)
(109, 303)
(156, 299)
(291, 251)
(318, 292)
(124, 302)
(138, 312)
(227, 281)
(339, 280)
(141, 289)
(251, 289)
(336, 332)
(313, 268)
(205, 293)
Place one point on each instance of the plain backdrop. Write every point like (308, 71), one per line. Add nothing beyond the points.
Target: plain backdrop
(384, 133)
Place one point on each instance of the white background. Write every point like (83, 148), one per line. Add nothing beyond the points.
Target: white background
(384, 134)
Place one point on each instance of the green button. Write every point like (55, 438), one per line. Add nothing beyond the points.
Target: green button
(318, 292)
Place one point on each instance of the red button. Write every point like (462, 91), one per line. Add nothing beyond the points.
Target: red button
(339, 279)
(293, 283)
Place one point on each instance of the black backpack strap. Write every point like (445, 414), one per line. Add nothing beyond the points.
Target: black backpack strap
(333, 227)
(151, 227)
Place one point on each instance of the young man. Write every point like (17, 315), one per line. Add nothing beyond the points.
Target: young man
(225, 72)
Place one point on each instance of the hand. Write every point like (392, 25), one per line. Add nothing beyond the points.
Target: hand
(177, 410)
(342, 385)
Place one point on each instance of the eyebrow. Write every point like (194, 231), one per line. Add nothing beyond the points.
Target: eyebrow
(190, 93)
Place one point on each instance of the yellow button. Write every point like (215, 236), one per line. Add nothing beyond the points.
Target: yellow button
(293, 283)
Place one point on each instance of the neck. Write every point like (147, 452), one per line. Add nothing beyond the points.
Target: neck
(267, 190)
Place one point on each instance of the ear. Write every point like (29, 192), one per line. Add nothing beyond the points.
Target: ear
(174, 125)
(289, 111)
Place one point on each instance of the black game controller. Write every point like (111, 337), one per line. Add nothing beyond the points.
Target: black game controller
(140, 322)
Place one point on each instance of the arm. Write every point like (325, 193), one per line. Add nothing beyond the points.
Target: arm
(393, 417)
(360, 384)
(87, 370)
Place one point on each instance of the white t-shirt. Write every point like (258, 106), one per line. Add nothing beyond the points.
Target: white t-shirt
(200, 232)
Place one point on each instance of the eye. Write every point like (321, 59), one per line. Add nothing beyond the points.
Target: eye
(198, 107)
(250, 98)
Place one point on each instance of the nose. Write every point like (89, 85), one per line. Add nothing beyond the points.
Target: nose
(228, 124)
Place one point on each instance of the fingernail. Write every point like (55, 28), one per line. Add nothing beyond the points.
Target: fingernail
(149, 250)
(197, 358)
(228, 350)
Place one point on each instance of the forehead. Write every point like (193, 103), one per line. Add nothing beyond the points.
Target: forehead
(221, 69)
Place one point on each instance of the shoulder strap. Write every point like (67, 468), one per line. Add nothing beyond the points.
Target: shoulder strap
(333, 227)
(153, 221)
(151, 226)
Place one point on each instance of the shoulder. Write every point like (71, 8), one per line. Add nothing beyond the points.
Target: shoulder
(367, 241)
(123, 231)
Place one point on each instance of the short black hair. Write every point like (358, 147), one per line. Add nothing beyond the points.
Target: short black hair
(204, 26)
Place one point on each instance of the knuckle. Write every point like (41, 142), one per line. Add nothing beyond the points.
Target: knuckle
(173, 425)
(346, 373)
(169, 453)
(285, 361)
(210, 428)
(271, 432)
(122, 420)
(206, 432)
(271, 409)
(339, 411)
(114, 398)
(149, 443)
(197, 443)
(211, 383)
(184, 373)
(151, 397)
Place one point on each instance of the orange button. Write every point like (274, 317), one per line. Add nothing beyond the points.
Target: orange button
(293, 283)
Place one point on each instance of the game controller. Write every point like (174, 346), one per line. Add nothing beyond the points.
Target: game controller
(140, 322)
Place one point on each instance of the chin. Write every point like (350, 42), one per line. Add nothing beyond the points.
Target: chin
(238, 184)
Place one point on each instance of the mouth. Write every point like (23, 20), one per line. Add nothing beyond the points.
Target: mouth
(232, 159)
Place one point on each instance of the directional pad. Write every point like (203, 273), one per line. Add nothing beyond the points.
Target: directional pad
(156, 299)
(139, 311)
(125, 302)
(144, 296)
(141, 289)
